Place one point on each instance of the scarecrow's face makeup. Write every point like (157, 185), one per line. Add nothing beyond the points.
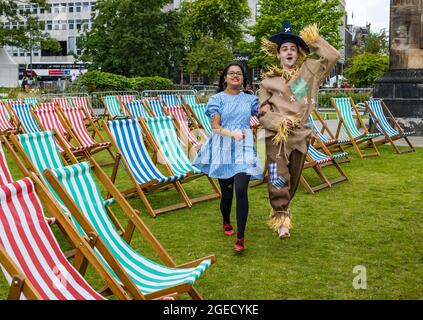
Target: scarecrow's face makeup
(288, 54)
(234, 76)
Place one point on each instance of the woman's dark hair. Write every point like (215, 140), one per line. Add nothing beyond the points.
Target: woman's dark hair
(222, 84)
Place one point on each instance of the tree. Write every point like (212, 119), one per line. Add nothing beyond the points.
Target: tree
(365, 68)
(376, 43)
(209, 57)
(133, 38)
(272, 13)
(29, 31)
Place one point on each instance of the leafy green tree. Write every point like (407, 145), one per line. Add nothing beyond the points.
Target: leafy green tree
(272, 13)
(29, 31)
(365, 68)
(374, 42)
(133, 38)
(209, 57)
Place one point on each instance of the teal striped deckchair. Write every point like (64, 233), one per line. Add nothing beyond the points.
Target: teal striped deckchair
(136, 108)
(33, 101)
(189, 99)
(152, 279)
(316, 160)
(156, 106)
(112, 108)
(200, 112)
(384, 121)
(344, 108)
(127, 138)
(22, 112)
(161, 133)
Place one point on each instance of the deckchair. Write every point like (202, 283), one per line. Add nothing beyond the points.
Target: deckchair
(151, 278)
(170, 99)
(189, 99)
(125, 99)
(344, 108)
(32, 248)
(127, 138)
(84, 103)
(22, 112)
(113, 108)
(32, 101)
(62, 102)
(385, 123)
(6, 125)
(48, 118)
(200, 111)
(161, 133)
(157, 107)
(184, 131)
(73, 119)
(136, 108)
(317, 160)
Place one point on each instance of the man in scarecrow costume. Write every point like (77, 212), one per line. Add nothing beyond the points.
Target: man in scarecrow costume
(288, 95)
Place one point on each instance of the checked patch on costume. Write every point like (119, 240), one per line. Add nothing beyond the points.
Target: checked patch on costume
(277, 181)
(299, 88)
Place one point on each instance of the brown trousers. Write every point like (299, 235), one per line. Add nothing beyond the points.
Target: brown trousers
(283, 177)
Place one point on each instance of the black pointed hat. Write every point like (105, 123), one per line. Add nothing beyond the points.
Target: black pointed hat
(287, 35)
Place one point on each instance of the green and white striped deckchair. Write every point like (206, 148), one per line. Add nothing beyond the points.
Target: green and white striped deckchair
(162, 135)
(112, 108)
(200, 112)
(190, 99)
(385, 122)
(150, 277)
(344, 108)
(33, 101)
(127, 138)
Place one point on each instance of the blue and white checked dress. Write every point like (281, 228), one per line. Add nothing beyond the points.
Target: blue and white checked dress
(222, 156)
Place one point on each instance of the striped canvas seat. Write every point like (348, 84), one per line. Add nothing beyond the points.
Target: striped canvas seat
(48, 116)
(137, 109)
(344, 108)
(83, 102)
(5, 175)
(26, 119)
(33, 101)
(157, 107)
(327, 141)
(29, 241)
(75, 116)
(62, 102)
(254, 122)
(125, 99)
(179, 114)
(190, 99)
(170, 99)
(113, 107)
(127, 136)
(200, 112)
(5, 125)
(148, 275)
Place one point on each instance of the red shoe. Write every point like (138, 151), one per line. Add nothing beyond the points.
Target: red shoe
(228, 229)
(239, 245)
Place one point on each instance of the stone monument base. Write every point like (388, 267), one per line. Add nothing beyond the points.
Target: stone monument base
(402, 92)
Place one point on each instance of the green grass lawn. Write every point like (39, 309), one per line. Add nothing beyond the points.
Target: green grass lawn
(374, 220)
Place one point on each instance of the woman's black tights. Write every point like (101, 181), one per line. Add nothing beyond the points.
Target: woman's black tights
(240, 181)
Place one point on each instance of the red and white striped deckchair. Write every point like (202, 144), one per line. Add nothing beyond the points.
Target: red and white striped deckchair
(49, 119)
(6, 125)
(179, 114)
(125, 99)
(62, 102)
(254, 122)
(84, 103)
(31, 245)
(5, 175)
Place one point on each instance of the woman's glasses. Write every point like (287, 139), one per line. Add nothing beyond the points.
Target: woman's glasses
(232, 73)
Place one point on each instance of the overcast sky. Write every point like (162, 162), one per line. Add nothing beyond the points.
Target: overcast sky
(374, 11)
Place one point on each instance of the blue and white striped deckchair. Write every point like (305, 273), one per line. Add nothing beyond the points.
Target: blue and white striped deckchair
(151, 278)
(344, 108)
(392, 131)
(112, 107)
(23, 113)
(137, 109)
(33, 101)
(170, 99)
(127, 138)
(156, 106)
(200, 112)
(165, 139)
(317, 160)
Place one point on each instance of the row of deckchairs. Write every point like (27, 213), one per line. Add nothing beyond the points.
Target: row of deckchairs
(30, 256)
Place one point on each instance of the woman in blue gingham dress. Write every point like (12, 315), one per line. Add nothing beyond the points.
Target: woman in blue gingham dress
(229, 153)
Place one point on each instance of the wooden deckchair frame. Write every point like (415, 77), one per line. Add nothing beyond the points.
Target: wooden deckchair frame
(143, 189)
(134, 223)
(106, 112)
(13, 122)
(153, 143)
(362, 139)
(395, 125)
(16, 119)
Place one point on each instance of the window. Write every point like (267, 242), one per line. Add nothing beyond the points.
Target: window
(78, 24)
(70, 7)
(56, 8)
(86, 7)
(49, 25)
(63, 7)
(78, 6)
(71, 24)
(71, 44)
